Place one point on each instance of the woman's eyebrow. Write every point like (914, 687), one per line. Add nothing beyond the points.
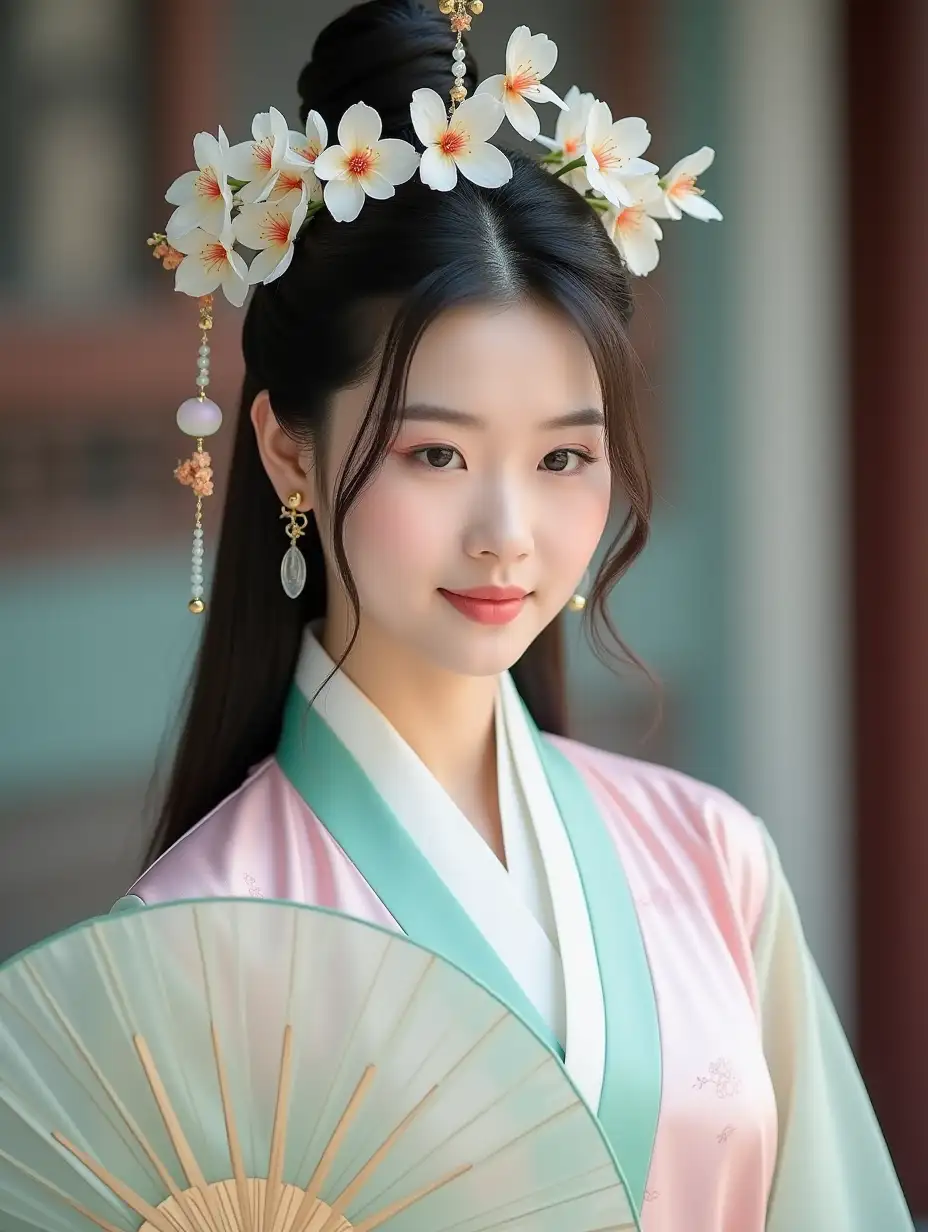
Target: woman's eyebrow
(589, 417)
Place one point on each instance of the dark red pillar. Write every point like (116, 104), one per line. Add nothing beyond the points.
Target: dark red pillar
(887, 186)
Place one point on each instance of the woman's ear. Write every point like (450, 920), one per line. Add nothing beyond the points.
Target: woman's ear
(284, 458)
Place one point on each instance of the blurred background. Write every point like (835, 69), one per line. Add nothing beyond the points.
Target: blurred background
(783, 602)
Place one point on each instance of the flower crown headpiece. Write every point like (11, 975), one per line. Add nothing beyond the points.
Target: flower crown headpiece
(263, 193)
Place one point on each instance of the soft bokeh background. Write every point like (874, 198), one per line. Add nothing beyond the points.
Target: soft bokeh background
(784, 600)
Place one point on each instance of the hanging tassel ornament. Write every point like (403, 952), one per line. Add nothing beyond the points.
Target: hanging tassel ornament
(461, 13)
(199, 417)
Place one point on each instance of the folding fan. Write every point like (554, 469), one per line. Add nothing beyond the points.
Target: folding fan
(253, 1066)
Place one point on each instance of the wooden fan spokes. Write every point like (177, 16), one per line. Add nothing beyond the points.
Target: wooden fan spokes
(225, 1195)
(252, 1204)
(321, 1217)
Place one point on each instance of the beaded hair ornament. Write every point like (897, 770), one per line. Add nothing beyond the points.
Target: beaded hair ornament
(261, 194)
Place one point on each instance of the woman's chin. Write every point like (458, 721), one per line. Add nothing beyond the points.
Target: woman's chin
(443, 638)
(485, 650)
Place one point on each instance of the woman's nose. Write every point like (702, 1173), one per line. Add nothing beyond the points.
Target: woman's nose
(501, 523)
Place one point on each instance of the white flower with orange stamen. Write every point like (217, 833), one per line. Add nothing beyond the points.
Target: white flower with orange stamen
(305, 148)
(292, 180)
(681, 196)
(633, 229)
(529, 58)
(270, 227)
(210, 262)
(203, 197)
(613, 154)
(362, 164)
(570, 135)
(309, 145)
(260, 161)
(459, 143)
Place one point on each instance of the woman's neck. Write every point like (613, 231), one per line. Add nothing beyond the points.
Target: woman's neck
(446, 719)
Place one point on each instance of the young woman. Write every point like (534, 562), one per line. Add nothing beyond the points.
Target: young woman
(444, 389)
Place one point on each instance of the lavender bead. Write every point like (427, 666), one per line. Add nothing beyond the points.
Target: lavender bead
(199, 418)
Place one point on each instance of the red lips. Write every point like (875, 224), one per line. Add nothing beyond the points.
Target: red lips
(495, 594)
(488, 605)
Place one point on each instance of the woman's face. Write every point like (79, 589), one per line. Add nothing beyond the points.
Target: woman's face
(477, 528)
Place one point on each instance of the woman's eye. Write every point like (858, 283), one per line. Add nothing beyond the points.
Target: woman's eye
(438, 457)
(560, 460)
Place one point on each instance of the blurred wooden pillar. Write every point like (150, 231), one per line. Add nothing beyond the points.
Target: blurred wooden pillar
(190, 46)
(887, 185)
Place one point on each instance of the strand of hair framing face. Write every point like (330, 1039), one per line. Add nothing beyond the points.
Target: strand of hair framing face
(199, 417)
(461, 13)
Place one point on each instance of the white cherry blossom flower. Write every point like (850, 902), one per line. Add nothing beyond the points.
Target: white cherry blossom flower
(305, 148)
(291, 180)
(612, 153)
(529, 58)
(210, 262)
(570, 135)
(260, 161)
(203, 197)
(362, 164)
(681, 196)
(633, 229)
(309, 145)
(271, 227)
(461, 143)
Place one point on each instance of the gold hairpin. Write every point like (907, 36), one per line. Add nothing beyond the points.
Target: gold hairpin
(461, 13)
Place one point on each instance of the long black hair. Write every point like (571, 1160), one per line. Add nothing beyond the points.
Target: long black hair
(308, 334)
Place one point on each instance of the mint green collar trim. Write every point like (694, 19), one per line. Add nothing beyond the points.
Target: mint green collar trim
(629, 1106)
(128, 902)
(338, 791)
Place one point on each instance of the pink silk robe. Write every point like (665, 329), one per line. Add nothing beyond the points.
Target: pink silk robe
(673, 965)
(701, 875)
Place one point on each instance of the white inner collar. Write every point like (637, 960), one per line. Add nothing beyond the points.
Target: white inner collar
(528, 913)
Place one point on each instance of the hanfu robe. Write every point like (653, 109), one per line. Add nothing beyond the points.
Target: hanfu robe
(641, 924)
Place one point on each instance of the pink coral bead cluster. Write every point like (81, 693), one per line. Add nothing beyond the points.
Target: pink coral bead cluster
(196, 473)
(169, 257)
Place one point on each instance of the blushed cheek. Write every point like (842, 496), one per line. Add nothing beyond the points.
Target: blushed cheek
(575, 524)
(596, 517)
(395, 536)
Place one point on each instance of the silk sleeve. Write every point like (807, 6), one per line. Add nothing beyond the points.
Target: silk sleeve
(833, 1168)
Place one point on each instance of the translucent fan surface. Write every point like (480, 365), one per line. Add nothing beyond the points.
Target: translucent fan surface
(248, 1066)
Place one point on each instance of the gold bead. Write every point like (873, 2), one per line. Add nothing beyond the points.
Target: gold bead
(294, 500)
(459, 93)
(196, 606)
(576, 603)
(446, 6)
(476, 7)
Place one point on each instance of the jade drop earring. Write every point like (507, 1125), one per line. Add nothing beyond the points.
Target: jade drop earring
(293, 565)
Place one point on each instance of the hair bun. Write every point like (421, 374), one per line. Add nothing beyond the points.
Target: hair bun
(378, 53)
